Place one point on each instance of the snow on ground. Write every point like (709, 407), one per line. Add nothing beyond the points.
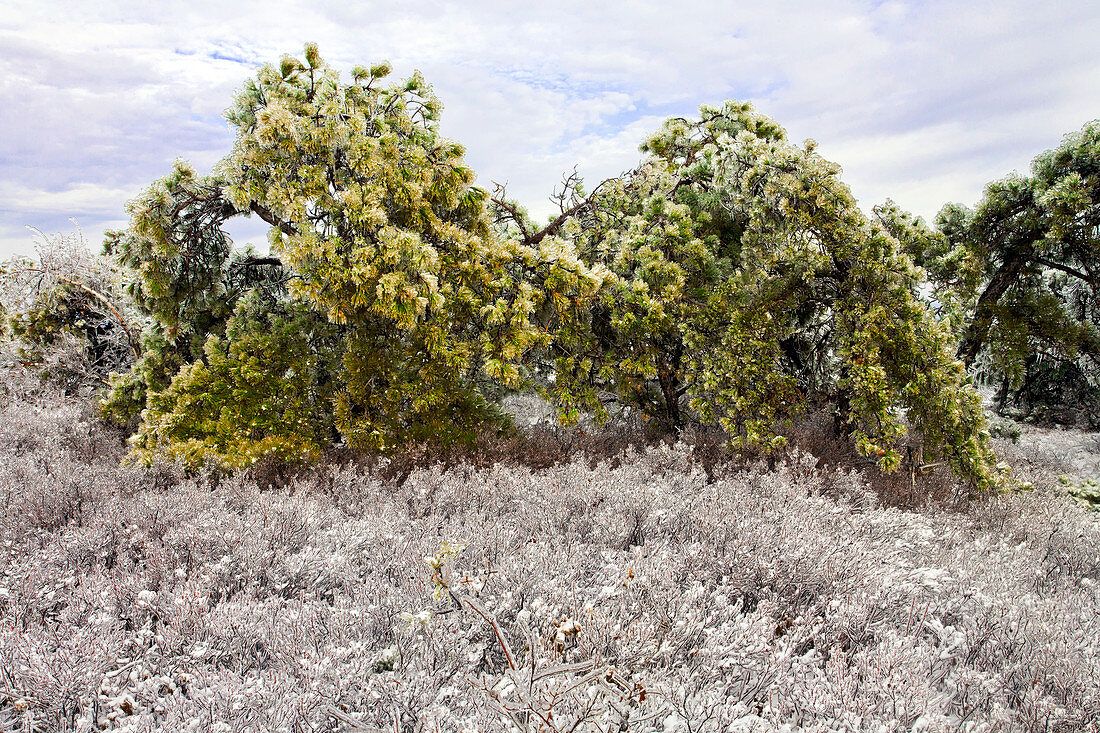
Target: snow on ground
(641, 595)
(1077, 449)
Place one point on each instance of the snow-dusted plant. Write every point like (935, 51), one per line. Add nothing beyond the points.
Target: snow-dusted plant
(753, 598)
(535, 691)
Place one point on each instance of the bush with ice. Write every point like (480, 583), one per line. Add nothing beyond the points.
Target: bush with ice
(644, 596)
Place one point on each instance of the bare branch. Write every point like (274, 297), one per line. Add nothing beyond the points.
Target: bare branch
(568, 192)
(511, 211)
(267, 215)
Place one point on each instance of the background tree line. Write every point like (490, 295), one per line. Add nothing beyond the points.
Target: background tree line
(729, 279)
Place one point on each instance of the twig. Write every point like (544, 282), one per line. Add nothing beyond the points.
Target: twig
(492, 621)
(352, 722)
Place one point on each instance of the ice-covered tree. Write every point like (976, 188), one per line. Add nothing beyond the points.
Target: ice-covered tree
(381, 310)
(741, 281)
(1022, 269)
(65, 316)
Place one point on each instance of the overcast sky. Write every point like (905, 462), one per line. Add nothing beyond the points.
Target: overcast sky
(923, 102)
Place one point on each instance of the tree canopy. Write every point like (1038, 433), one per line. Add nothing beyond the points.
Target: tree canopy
(739, 281)
(1019, 273)
(382, 306)
(729, 280)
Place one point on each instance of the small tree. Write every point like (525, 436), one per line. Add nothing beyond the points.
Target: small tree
(65, 314)
(738, 278)
(382, 310)
(1022, 269)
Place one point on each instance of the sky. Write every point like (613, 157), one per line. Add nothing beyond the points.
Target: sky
(921, 102)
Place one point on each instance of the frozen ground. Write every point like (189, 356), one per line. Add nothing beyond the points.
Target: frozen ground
(1077, 449)
(644, 595)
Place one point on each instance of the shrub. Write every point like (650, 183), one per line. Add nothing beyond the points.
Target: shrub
(65, 317)
(157, 599)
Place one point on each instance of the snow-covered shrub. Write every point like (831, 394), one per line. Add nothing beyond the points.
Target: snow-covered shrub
(63, 318)
(640, 593)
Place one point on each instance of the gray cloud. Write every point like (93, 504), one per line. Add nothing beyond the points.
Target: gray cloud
(922, 102)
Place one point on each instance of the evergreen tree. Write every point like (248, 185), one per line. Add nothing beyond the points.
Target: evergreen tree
(383, 307)
(1019, 272)
(730, 279)
(738, 279)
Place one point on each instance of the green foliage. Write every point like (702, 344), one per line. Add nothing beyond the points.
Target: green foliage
(729, 279)
(1018, 272)
(258, 392)
(638, 277)
(736, 273)
(181, 279)
(1004, 429)
(56, 310)
(1087, 492)
(389, 306)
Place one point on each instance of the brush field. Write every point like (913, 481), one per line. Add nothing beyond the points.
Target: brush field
(650, 590)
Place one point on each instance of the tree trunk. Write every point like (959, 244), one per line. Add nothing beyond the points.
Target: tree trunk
(1002, 397)
(841, 427)
(672, 399)
(668, 375)
(1002, 279)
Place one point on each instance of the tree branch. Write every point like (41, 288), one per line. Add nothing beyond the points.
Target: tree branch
(532, 240)
(1066, 269)
(1000, 282)
(267, 215)
(510, 209)
(555, 226)
(259, 262)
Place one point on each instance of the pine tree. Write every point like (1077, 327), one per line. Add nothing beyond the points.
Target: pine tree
(741, 281)
(1019, 271)
(383, 309)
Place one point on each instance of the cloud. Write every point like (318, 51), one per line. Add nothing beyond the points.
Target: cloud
(922, 102)
(82, 198)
